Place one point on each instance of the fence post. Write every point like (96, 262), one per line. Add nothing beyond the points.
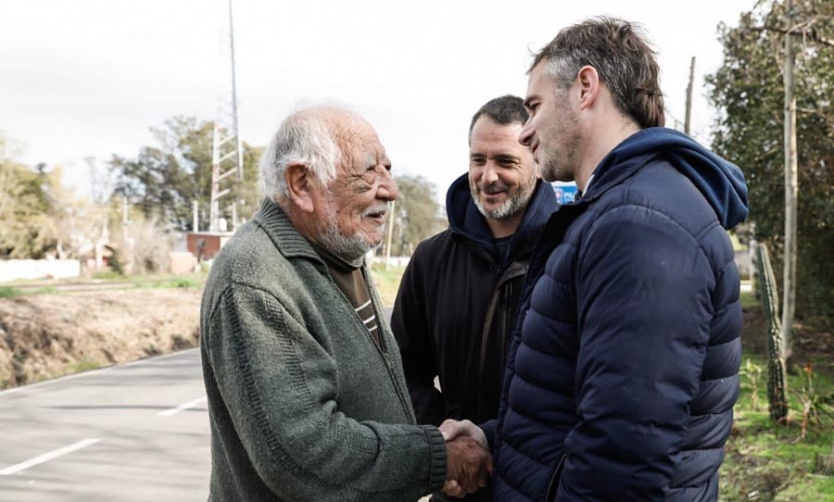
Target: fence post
(776, 377)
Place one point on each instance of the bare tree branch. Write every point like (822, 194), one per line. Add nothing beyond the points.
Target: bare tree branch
(812, 35)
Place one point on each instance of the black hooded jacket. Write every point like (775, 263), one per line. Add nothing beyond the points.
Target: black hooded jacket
(457, 304)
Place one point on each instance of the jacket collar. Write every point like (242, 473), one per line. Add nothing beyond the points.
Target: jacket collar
(719, 181)
(467, 223)
(277, 225)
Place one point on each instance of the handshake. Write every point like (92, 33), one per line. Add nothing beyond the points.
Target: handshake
(469, 463)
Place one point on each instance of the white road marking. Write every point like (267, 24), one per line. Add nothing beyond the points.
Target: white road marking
(182, 407)
(46, 457)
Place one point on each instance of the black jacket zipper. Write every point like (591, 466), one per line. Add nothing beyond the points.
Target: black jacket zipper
(554, 480)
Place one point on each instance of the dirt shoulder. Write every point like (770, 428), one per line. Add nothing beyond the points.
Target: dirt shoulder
(49, 335)
(45, 336)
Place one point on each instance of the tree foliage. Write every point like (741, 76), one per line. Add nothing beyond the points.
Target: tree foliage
(25, 231)
(37, 217)
(26, 227)
(417, 214)
(165, 179)
(748, 92)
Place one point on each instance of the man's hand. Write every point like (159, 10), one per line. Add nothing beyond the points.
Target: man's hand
(468, 466)
(452, 429)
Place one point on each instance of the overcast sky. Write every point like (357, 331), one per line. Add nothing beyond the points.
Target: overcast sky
(90, 77)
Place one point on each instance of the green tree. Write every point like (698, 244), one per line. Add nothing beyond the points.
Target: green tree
(164, 179)
(417, 214)
(26, 226)
(749, 94)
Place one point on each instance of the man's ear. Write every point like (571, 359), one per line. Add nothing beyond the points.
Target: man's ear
(299, 186)
(589, 84)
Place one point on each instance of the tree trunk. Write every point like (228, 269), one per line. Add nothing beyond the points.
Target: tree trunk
(791, 191)
(390, 234)
(689, 89)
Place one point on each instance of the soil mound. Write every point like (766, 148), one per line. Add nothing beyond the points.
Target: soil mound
(45, 336)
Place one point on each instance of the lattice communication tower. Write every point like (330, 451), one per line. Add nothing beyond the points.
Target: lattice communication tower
(227, 152)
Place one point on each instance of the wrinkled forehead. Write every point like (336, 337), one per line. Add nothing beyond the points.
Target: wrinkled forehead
(359, 144)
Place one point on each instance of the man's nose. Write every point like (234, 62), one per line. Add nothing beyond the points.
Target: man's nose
(490, 173)
(387, 187)
(525, 137)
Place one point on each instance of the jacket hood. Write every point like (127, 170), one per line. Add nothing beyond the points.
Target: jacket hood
(721, 182)
(465, 220)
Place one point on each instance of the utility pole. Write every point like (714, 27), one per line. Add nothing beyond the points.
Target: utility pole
(125, 220)
(195, 219)
(227, 153)
(689, 89)
(791, 188)
(390, 235)
(127, 242)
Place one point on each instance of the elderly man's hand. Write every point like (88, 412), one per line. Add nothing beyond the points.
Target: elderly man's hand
(454, 428)
(468, 467)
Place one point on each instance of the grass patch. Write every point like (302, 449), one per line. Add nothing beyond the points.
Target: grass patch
(9, 292)
(109, 276)
(769, 462)
(749, 300)
(83, 365)
(193, 281)
(387, 282)
(185, 283)
(109, 280)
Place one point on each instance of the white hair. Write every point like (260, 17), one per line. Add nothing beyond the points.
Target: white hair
(307, 137)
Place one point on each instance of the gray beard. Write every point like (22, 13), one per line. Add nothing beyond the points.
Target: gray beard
(509, 208)
(347, 248)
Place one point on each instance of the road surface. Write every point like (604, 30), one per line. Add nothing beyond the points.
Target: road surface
(136, 432)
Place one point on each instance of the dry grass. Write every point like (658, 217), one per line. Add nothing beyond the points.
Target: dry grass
(387, 282)
(49, 335)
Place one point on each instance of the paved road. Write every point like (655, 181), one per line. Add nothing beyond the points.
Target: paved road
(137, 432)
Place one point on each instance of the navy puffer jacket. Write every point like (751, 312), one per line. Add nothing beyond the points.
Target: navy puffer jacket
(621, 381)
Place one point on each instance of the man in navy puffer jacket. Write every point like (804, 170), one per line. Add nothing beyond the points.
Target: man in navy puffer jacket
(623, 369)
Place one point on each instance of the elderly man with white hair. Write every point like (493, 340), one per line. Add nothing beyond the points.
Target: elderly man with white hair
(306, 392)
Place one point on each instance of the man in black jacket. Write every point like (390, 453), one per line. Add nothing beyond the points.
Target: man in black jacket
(458, 298)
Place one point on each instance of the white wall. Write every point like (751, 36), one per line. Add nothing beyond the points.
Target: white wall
(38, 269)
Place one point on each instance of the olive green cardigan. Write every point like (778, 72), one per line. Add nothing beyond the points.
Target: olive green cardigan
(303, 405)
